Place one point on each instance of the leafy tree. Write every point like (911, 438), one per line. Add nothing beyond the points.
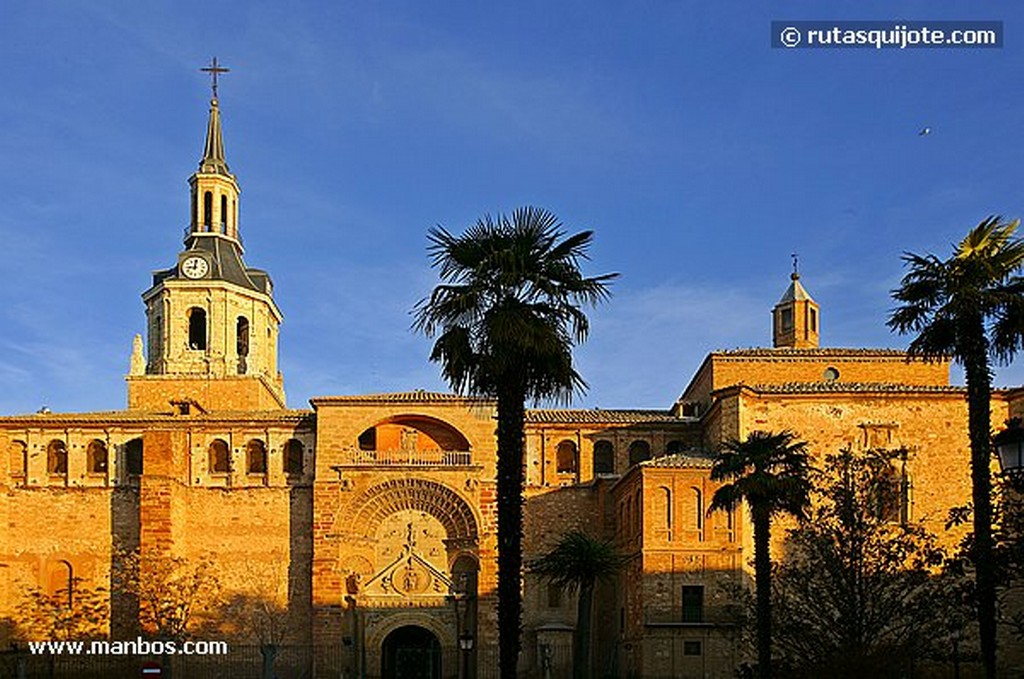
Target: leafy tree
(769, 471)
(259, 609)
(170, 590)
(576, 564)
(970, 307)
(71, 613)
(859, 593)
(506, 317)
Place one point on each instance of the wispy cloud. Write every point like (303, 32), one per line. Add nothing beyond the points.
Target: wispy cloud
(646, 344)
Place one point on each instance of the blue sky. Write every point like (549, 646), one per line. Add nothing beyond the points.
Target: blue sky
(700, 156)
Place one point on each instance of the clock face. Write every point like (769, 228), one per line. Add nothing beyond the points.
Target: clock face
(195, 267)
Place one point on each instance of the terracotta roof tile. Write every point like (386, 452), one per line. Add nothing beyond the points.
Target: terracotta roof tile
(600, 416)
(844, 387)
(149, 417)
(692, 459)
(417, 395)
(823, 352)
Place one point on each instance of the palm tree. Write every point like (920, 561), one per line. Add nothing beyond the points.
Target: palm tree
(770, 472)
(507, 316)
(970, 307)
(576, 564)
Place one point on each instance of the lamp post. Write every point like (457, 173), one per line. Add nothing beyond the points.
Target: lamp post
(1009, 445)
(466, 647)
(956, 636)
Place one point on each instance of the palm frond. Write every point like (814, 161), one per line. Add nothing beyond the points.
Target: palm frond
(767, 469)
(508, 305)
(947, 303)
(577, 561)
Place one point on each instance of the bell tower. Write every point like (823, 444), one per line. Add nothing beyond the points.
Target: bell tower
(212, 323)
(795, 319)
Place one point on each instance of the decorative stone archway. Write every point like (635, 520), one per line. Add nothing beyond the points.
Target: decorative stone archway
(377, 636)
(410, 652)
(407, 554)
(370, 508)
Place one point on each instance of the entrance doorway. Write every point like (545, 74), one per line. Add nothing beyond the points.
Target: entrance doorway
(411, 652)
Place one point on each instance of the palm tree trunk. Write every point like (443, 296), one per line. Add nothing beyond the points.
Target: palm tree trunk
(763, 586)
(581, 656)
(511, 415)
(979, 391)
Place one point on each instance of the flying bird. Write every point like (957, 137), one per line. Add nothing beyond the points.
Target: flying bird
(925, 131)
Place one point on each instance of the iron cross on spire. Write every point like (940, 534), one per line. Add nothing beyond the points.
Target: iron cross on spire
(214, 69)
(796, 259)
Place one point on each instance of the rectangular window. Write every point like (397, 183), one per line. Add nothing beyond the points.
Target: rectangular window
(814, 320)
(787, 319)
(691, 648)
(693, 603)
(554, 596)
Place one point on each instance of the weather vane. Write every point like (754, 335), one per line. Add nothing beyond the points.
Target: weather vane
(796, 259)
(214, 69)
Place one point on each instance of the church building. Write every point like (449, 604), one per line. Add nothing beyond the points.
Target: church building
(370, 520)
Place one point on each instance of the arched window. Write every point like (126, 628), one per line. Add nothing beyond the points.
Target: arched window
(242, 343)
(629, 523)
(639, 451)
(665, 497)
(133, 457)
(207, 211)
(368, 439)
(256, 457)
(197, 329)
(155, 338)
(293, 457)
(223, 214)
(565, 457)
(96, 457)
(674, 447)
(604, 457)
(698, 513)
(242, 336)
(57, 457)
(17, 454)
(61, 581)
(464, 575)
(220, 457)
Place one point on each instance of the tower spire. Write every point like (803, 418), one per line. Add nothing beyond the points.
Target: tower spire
(215, 190)
(213, 152)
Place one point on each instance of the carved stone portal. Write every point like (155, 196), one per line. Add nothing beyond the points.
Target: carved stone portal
(411, 559)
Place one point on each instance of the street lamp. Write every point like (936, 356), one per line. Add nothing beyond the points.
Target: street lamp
(1009, 445)
(466, 646)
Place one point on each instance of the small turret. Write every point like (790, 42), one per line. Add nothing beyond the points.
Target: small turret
(795, 322)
